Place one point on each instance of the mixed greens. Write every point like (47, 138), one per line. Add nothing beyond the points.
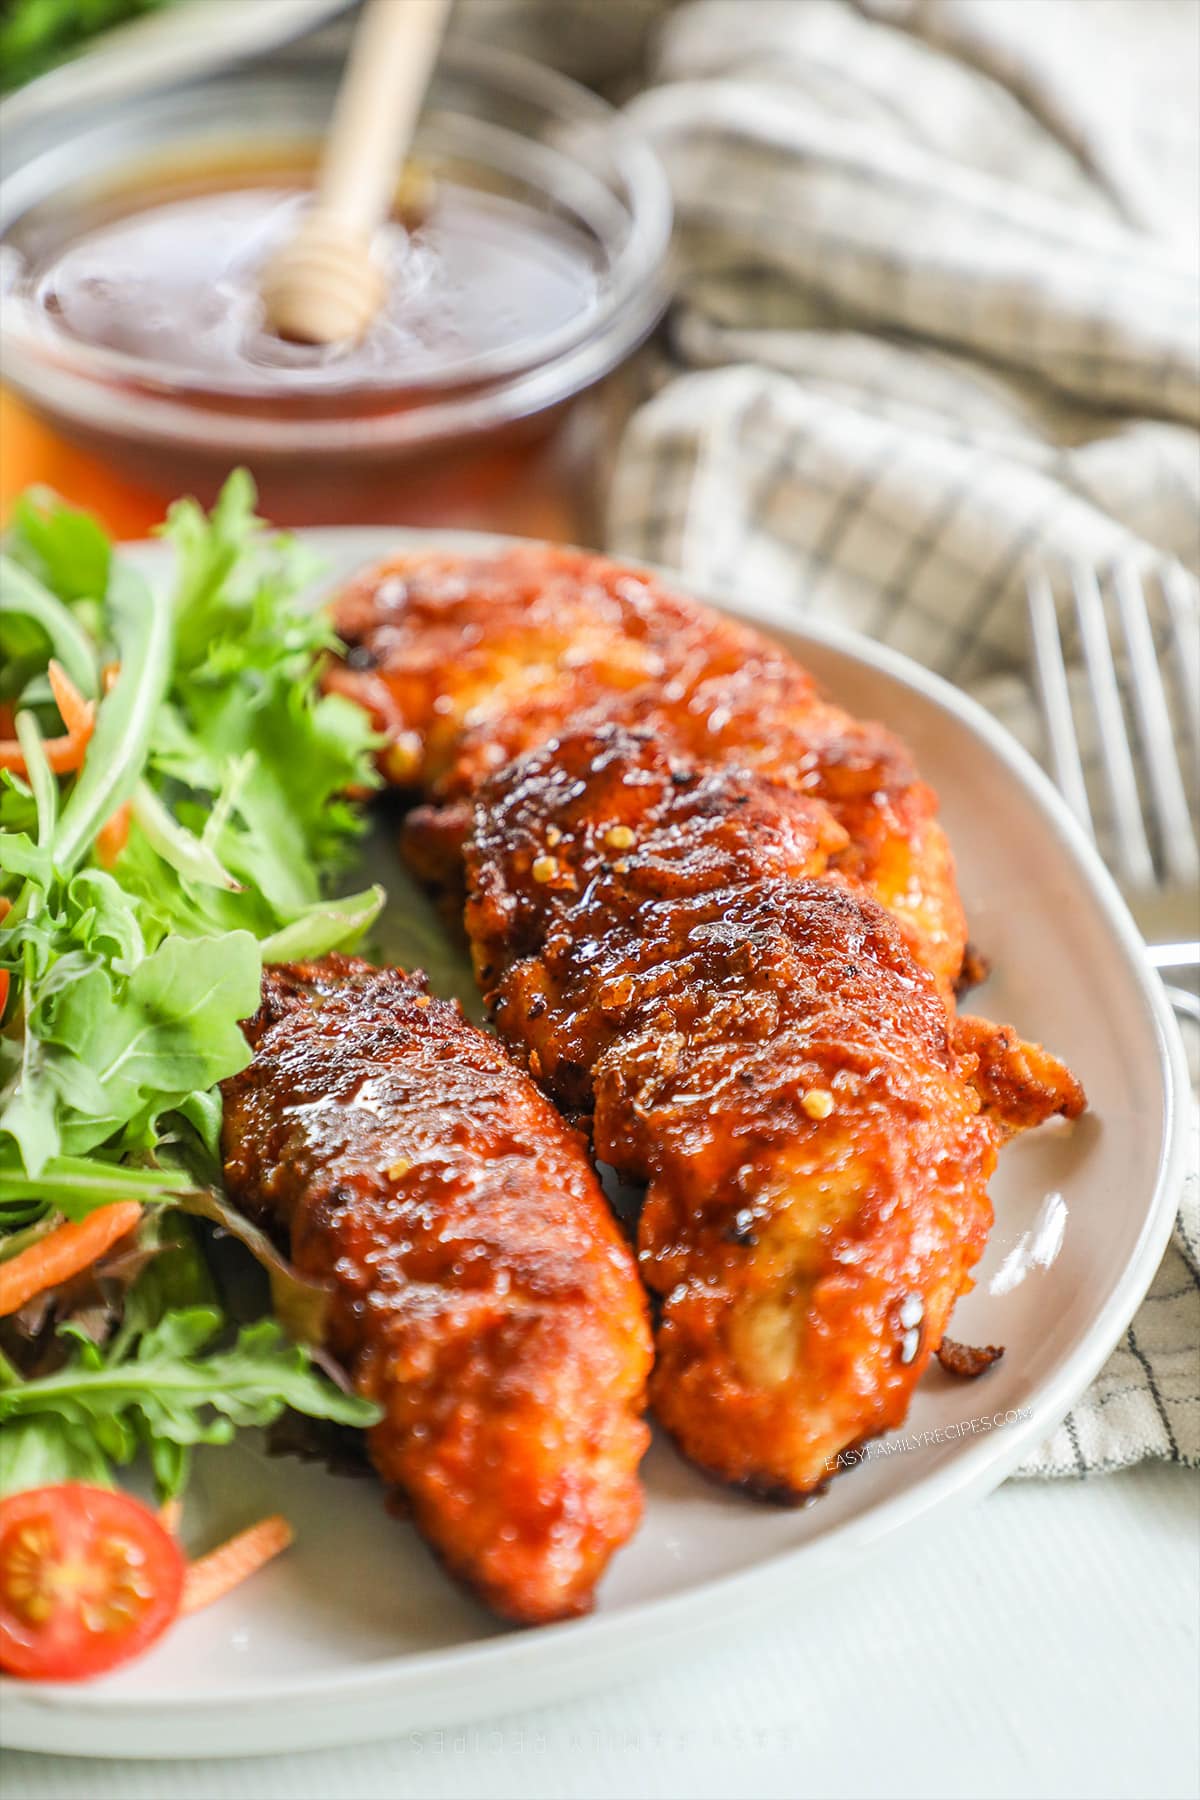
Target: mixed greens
(161, 1381)
(175, 808)
(37, 34)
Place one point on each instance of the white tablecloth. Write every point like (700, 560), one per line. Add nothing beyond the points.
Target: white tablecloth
(1042, 1644)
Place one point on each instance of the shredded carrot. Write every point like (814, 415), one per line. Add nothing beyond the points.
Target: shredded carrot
(75, 710)
(169, 1515)
(66, 753)
(8, 720)
(113, 836)
(3, 990)
(67, 1250)
(213, 1576)
(63, 754)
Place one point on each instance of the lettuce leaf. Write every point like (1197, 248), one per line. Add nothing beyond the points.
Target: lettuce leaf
(159, 1387)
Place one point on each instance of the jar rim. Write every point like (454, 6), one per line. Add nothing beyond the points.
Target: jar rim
(131, 396)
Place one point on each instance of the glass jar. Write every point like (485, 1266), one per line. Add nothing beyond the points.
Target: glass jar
(505, 440)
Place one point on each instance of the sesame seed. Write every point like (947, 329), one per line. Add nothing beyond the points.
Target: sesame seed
(545, 868)
(911, 1311)
(817, 1103)
(553, 835)
(399, 1169)
(619, 837)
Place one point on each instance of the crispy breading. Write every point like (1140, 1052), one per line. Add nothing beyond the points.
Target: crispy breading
(483, 1294)
(967, 1361)
(1022, 1084)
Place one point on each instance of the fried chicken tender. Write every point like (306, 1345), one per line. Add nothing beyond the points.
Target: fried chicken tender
(482, 1292)
(464, 663)
(758, 1044)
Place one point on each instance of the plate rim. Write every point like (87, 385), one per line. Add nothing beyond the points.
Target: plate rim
(980, 1466)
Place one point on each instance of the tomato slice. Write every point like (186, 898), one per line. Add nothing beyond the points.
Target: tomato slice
(88, 1578)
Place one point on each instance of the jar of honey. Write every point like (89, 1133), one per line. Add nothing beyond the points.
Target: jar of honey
(524, 263)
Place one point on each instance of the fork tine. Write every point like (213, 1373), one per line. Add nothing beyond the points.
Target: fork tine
(1185, 629)
(1132, 850)
(1051, 675)
(1162, 766)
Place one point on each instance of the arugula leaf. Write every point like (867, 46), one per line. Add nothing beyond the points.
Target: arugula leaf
(36, 34)
(245, 692)
(142, 632)
(76, 1185)
(66, 549)
(47, 1449)
(167, 1390)
(117, 1053)
(323, 927)
(25, 603)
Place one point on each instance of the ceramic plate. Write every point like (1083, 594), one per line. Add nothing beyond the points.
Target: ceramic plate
(356, 1633)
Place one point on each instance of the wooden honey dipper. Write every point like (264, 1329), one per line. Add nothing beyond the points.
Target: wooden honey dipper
(324, 286)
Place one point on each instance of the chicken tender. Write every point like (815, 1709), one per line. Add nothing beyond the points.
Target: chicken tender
(482, 1293)
(464, 663)
(756, 1042)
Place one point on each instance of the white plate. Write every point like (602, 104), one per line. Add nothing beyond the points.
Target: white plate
(356, 1633)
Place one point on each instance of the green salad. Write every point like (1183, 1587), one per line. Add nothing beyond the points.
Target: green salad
(178, 804)
(37, 34)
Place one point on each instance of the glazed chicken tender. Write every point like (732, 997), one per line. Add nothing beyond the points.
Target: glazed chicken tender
(465, 663)
(482, 1292)
(758, 1044)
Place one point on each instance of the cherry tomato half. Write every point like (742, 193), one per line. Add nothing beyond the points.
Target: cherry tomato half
(88, 1578)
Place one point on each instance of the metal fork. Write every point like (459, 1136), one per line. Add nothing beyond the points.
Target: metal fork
(1155, 857)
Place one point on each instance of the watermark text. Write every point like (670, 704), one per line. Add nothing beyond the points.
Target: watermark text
(921, 1440)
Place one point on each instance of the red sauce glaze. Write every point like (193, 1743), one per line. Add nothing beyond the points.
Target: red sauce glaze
(464, 662)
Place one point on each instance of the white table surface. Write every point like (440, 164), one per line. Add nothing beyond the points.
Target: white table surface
(1046, 1643)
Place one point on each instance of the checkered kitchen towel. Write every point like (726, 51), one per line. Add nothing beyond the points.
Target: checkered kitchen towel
(936, 316)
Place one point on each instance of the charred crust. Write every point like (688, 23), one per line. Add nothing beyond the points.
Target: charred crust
(774, 1493)
(976, 968)
(967, 1361)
